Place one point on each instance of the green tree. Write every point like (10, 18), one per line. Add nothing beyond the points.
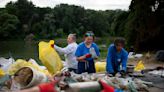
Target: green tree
(8, 25)
(143, 26)
(96, 22)
(45, 28)
(24, 10)
(46, 22)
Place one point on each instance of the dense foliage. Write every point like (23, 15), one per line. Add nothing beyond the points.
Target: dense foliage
(141, 25)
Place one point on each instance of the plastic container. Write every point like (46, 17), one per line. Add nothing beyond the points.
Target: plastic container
(37, 78)
(130, 68)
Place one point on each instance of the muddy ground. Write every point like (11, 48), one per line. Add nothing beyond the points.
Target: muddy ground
(157, 80)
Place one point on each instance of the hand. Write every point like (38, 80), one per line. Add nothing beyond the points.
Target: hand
(48, 87)
(106, 87)
(52, 45)
(122, 72)
(111, 74)
(88, 56)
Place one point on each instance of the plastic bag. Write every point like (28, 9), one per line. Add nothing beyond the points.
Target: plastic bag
(93, 52)
(15, 86)
(100, 66)
(2, 73)
(49, 57)
(22, 63)
(5, 63)
(140, 66)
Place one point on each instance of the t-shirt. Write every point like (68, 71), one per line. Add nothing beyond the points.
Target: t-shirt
(83, 50)
(115, 59)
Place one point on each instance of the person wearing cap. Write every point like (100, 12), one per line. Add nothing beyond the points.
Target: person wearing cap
(69, 52)
(86, 52)
(117, 57)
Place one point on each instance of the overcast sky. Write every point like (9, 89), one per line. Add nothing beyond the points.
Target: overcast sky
(88, 4)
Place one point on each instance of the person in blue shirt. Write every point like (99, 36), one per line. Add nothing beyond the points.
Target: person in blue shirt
(117, 57)
(86, 52)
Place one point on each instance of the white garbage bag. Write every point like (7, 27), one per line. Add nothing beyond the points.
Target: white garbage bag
(5, 63)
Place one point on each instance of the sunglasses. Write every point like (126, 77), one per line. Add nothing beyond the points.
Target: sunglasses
(89, 34)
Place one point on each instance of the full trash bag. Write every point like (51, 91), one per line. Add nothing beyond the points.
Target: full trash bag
(49, 57)
(100, 66)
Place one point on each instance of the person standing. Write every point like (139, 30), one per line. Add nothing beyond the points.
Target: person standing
(86, 52)
(69, 52)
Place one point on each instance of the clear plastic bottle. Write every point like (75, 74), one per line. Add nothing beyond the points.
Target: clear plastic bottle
(93, 53)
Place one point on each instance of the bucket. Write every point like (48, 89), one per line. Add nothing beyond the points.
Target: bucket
(36, 77)
(130, 68)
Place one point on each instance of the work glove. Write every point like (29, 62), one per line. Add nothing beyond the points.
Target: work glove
(123, 73)
(106, 87)
(88, 56)
(47, 87)
(52, 45)
(93, 52)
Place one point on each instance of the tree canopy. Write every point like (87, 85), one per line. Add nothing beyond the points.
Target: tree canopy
(141, 25)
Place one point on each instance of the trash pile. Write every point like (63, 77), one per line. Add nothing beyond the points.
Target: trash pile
(20, 74)
(25, 74)
(158, 72)
(132, 55)
(90, 83)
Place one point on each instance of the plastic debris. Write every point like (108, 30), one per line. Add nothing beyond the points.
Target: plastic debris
(140, 66)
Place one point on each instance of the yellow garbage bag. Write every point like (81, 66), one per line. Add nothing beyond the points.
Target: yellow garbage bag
(100, 66)
(140, 66)
(49, 57)
(22, 63)
(2, 73)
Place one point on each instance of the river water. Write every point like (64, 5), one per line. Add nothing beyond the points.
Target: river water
(19, 49)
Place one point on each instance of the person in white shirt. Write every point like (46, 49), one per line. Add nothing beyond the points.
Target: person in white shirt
(69, 52)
